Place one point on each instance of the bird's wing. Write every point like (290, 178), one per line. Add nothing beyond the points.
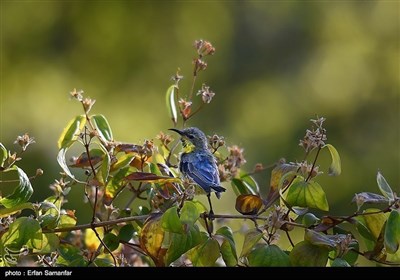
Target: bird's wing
(202, 170)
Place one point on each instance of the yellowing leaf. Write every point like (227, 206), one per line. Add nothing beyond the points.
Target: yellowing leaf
(374, 222)
(91, 240)
(335, 169)
(151, 178)
(151, 239)
(205, 254)
(248, 204)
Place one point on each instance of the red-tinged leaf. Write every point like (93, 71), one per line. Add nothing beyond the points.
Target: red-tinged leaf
(248, 204)
(128, 148)
(150, 178)
(96, 156)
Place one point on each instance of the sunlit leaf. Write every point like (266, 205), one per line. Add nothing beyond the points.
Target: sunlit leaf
(250, 240)
(71, 132)
(205, 254)
(369, 198)
(228, 246)
(105, 167)
(374, 222)
(392, 232)
(170, 221)
(50, 244)
(181, 243)
(278, 172)
(189, 213)
(112, 241)
(49, 213)
(21, 193)
(306, 254)
(63, 164)
(248, 204)
(151, 239)
(268, 256)
(363, 229)
(335, 169)
(151, 178)
(4, 212)
(66, 221)
(114, 185)
(92, 242)
(24, 231)
(171, 105)
(307, 194)
(384, 187)
(3, 155)
(103, 128)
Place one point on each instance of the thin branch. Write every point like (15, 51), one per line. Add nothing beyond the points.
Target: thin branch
(97, 224)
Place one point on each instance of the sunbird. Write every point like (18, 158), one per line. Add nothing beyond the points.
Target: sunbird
(198, 163)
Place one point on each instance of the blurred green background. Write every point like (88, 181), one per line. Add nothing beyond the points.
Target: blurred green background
(277, 64)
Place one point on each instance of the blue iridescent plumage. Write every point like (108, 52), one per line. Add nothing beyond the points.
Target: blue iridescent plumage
(199, 164)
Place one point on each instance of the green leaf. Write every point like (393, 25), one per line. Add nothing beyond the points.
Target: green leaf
(309, 219)
(49, 214)
(250, 240)
(63, 164)
(24, 231)
(269, 256)
(335, 169)
(205, 254)
(363, 229)
(228, 247)
(319, 239)
(170, 221)
(126, 232)
(181, 243)
(70, 256)
(3, 155)
(338, 262)
(249, 181)
(4, 212)
(50, 244)
(306, 254)
(374, 222)
(384, 187)
(307, 194)
(112, 241)
(71, 132)
(21, 193)
(392, 232)
(105, 167)
(171, 105)
(103, 128)
(189, 213)
(241, 187)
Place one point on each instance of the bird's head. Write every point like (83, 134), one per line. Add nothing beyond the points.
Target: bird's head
(194, 136)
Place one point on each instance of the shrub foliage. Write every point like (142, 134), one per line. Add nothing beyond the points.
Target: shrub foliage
(163, 224)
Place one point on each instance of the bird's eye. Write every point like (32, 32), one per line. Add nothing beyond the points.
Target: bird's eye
(190, 136)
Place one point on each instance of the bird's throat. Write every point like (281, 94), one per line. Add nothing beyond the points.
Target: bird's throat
(187, 146)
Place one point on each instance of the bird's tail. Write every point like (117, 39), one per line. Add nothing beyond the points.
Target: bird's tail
(218, 190)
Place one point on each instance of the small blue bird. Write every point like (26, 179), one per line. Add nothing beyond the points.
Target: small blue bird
(198, 163)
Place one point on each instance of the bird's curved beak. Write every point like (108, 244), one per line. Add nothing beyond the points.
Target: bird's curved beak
(176, 130)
